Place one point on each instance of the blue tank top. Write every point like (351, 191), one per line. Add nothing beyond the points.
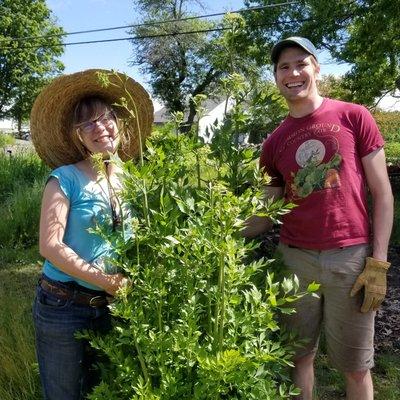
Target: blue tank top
(89, 207)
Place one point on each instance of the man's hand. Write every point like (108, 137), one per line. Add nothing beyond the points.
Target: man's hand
(255, 226)
(373, 278)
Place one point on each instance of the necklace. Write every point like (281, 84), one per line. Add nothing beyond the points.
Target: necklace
(115, 206)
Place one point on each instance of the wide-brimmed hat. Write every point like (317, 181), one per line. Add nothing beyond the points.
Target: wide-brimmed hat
(51, 115)
(297, 41)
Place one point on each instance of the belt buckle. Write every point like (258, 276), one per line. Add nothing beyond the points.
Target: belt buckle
(93, 300)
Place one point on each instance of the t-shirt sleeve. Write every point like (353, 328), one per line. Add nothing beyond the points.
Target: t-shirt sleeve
(369, 136)
(267, 165)
(64, 180)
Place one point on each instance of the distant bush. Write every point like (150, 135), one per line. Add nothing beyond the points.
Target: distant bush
(389, 125)
(392, 151)
(6, 139)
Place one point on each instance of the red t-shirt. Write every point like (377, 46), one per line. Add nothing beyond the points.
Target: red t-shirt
(317, 159)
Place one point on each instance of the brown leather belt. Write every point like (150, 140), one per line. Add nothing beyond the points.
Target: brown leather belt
(78, 296)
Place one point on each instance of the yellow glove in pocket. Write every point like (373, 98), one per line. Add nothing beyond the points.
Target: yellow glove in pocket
(373, 278)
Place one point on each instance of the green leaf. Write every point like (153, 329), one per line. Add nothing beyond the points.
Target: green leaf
(313, 287)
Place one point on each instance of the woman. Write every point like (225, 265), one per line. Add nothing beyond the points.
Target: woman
(73, 119)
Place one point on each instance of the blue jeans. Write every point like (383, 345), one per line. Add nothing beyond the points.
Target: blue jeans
(66, 364)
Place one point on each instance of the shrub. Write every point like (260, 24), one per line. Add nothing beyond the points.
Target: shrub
(389, 125)
(392, 151)
(195, 325)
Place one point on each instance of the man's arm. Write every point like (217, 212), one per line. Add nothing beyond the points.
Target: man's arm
(382, 213)
(256, 225)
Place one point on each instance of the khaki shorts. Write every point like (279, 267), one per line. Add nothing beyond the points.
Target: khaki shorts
(349, 333)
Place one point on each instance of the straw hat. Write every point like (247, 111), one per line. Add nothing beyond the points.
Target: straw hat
(51, 115)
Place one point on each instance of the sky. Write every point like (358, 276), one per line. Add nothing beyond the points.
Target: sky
(79, 15)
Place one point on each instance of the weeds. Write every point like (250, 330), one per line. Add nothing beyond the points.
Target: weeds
(6, 139)
(22, 179)
(19, 378)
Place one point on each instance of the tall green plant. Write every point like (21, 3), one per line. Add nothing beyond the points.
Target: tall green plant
(194, 324)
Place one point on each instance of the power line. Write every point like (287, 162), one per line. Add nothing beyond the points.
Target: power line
(154, 23)
(141, 37)
(118, 39)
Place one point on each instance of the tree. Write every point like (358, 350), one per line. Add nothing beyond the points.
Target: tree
(181, 66)
(362, 33)
(28, 54)
(333, 87)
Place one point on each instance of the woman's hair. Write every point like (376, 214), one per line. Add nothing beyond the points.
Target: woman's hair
(87, 109)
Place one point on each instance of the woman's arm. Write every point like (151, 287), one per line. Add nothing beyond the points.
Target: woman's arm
(53, 219)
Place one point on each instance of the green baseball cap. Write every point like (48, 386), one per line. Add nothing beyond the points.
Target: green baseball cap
(296, 41)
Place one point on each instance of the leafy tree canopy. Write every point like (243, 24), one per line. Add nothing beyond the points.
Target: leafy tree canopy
(363, 33)
(27, 64)
(181, 66)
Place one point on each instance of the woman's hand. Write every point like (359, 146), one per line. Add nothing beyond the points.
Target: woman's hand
(116, 282)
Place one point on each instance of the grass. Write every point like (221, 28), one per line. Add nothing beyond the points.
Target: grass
(6, 140)
(20, 169)
(19, 378)
(22, 178)
(386, 375)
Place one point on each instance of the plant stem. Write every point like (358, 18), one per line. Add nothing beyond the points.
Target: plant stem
(142, 361)
(221, 290)
(198, 170)
(159, 312)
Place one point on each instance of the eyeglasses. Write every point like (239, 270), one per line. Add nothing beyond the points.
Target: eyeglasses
(106, 119)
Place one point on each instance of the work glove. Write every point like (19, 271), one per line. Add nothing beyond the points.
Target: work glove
(373, 278)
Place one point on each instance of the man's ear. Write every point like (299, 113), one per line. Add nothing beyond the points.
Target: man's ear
(317, 72)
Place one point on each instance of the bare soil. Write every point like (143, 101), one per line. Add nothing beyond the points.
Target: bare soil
(387, 323)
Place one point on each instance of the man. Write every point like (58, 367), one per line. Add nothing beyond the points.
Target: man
(323, 157)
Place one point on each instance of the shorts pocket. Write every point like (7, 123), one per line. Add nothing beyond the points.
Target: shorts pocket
(349, 260)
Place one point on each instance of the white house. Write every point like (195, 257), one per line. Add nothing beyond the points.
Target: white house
(7, 125)
(214, 114)
(390, 102)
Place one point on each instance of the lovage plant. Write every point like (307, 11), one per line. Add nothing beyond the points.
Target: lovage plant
(196, 322)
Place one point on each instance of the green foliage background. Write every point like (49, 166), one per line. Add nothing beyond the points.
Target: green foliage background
(25, 66)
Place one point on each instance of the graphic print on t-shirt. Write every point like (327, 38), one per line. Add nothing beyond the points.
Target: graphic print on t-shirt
(314, 174)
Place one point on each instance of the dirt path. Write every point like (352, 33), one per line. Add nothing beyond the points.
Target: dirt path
(20, 146)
